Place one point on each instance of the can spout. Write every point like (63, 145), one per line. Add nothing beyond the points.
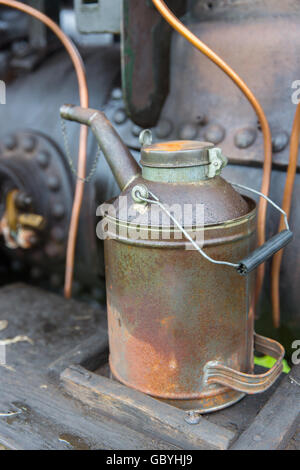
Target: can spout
(123, 166)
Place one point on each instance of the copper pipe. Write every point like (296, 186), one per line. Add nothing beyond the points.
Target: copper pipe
(286, 206)
(84, 102)
(267, 167)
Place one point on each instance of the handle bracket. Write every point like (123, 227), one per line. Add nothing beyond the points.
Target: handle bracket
(216, 373)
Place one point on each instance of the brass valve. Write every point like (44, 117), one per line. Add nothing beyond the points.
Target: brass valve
(19, 228)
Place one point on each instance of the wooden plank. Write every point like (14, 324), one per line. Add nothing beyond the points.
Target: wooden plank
(50, 419)
(143, 413)
(53, 325)
(90, 353)
(277, 422)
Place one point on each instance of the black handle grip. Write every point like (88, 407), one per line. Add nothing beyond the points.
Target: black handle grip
(264, 252)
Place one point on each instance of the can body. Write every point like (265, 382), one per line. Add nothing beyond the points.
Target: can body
(170, 311)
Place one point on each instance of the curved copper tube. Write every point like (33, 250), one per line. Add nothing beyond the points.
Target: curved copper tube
(84, 101)
(286, 206)
(267, 167)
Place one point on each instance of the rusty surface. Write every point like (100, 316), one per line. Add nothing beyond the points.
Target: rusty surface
(118, 156)
(170, 311)
(221, 202)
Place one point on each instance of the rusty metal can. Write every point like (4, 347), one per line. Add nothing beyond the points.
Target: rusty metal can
(170, 311)
(180, 324)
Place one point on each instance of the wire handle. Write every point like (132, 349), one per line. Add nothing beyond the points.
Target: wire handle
(141, 193)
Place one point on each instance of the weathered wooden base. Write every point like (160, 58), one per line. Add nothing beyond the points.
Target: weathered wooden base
(143, 413)
(53, 395)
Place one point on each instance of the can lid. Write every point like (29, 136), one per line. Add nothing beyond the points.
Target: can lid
(176, 154)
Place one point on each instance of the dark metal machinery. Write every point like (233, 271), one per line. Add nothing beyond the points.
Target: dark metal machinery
(160, 83)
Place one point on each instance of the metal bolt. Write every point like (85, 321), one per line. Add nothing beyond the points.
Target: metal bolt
(10, 142)
(36, 273)
(136, 130)
(120, 116)
(43, 158)
(29, 143)
(23, 201)
(52, 250)
(280, 140)
(58, 234)
(116, 94)
(20, 49)
(245, 137)
(17, 266)
(56, 280)
(53, 183)
(214, 133)
(188, 131)
(192, 417)
(163, 129)
(58, 210)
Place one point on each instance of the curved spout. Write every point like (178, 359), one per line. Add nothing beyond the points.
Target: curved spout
(123, 166)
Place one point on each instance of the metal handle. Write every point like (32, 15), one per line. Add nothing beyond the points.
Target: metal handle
(264, 252)
(216, 373)
(141, 193)
(269, 248)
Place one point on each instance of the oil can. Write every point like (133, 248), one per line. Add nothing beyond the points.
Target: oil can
(180, 313)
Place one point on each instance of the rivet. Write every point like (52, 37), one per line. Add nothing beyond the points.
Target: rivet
(136, 130)
(43, 158)
(120, 116)
(20, 48)
(23, 201)
(280, 140)
(58, 234)
(28, 143)
(188, 131)
(214, 133)
(17, 266)
(192, 417)
(163, 129)
(58, 210)
(52, 250)
(36, 273)
(53, 183)
(116, 94)
(10, 142)
(245, 137)
(56, 280)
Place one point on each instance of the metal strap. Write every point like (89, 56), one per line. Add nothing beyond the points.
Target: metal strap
(216, 373)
